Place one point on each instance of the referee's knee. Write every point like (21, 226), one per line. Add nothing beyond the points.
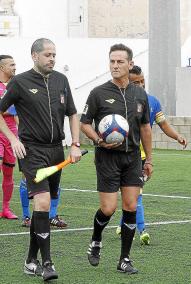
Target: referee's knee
(108, 211)
(130, 207)
(42, 202)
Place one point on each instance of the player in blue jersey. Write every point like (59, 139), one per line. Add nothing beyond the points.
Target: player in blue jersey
(136, 76)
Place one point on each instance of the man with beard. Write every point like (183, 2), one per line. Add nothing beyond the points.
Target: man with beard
(42, 98)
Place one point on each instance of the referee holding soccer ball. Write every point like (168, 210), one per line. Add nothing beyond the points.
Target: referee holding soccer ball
(42, 98)
(118, 165)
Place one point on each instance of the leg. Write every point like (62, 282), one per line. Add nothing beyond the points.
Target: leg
(40, 236)
(140, 221)
(1, 162)
(7, 165)
(7, 186)
(40, 192)
(24, 202)
(140, 214)
(32, 265)
(55, 220)
(108, 204)
(41, 224)
(108, 183)
(54, 206)
(2, 148)
(129, 204)
(118, 230)
(40, 229)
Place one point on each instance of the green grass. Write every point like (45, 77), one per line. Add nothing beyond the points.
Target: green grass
(167, 260)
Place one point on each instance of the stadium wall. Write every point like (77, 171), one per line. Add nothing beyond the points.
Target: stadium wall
(105, 19)
(181, 124)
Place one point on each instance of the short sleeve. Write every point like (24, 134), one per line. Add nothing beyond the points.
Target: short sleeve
(90, 109)
(146, 112)
(11, 95)
(159, 115)
(70, 107)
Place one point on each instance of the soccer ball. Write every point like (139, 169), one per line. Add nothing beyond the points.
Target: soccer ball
(113, 128)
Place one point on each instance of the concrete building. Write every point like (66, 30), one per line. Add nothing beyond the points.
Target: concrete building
(83, 31)
(89, 18)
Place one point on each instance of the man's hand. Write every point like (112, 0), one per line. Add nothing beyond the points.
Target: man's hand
(148, 170)
(75, 154)
(182, 141)
(108, 146)
(18, 148)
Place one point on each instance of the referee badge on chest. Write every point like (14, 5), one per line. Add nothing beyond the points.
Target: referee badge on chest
(139, 107)
(62, 98)
(85, 110)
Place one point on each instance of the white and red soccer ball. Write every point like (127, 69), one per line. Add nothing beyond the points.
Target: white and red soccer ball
(113, 128)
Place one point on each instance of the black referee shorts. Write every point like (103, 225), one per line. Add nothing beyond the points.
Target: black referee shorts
(143, 162)
(19, 164)
(117, 169)
(40, 157)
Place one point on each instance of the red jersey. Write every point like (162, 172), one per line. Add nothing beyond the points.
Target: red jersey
(9, 119)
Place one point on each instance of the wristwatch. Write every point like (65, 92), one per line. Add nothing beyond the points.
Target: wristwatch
(97, 141)
(77, 144)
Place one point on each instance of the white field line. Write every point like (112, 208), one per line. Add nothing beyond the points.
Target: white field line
(144, 194)
(90, 228)
(168, 196)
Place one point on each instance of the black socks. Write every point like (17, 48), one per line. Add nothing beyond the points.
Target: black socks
(34, 247)
(100, 222)
(127, 232)
(40, 236)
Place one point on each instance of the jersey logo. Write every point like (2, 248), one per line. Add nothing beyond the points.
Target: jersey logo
(139, 108)
(111, 101)
(34, 91)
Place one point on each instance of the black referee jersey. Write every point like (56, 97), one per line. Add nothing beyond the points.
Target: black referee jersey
(131, 103)
(41, 104)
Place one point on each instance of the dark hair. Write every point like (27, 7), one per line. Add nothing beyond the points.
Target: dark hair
(136, 70)
(121, 46)
(38, 45)
(5, 57)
